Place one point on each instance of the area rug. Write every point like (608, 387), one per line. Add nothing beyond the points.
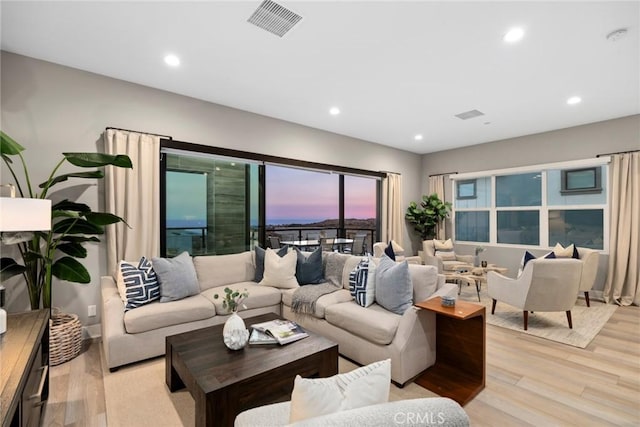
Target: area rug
(136, 395)
(587, 321)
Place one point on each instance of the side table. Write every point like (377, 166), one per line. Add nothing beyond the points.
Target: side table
(24, 368)
(460, 368)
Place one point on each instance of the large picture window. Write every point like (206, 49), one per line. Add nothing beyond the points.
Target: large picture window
(536, 206)
(214, 201)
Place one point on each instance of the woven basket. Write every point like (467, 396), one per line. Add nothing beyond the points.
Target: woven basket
(65, 337)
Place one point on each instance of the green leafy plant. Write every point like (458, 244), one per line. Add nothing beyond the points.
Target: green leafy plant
(426, 216)
(48, 254)
(232, 299)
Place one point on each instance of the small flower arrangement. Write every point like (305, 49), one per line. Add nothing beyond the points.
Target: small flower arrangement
(479, 249)
(233, 299)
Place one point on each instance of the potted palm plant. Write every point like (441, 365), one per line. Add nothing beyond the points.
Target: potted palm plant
(55, 253)
(426, 216)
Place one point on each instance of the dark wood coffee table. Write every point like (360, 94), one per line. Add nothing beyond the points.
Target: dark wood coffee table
(225, 382)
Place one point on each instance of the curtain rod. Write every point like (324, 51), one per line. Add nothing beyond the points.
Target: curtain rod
(138, 131)
(444, 173)
(388, 172)
(619, 152)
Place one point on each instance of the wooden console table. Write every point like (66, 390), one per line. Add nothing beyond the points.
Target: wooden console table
(460, 368)
(24, 368)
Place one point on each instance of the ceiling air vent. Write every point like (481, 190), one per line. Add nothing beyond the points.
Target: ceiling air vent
(469, 114)
(274, 18)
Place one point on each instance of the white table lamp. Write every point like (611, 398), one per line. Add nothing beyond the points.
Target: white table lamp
(22, 214)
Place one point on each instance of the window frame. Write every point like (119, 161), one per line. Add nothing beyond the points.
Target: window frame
(594, 189)
(464, 183)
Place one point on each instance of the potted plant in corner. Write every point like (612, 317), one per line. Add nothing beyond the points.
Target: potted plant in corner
(53, 253)
(426, 216)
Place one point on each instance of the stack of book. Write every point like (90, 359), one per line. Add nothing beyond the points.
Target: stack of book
(276, 332)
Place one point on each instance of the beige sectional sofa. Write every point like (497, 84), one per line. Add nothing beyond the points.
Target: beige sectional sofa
(363, 334)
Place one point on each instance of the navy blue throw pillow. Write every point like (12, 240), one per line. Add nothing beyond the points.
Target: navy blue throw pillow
(575, 255)
(389, 251)
(309, 268)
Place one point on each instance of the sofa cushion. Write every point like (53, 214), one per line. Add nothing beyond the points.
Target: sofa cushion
(177, 277)
(322, 303)
(362, 284)
(141, 284)
(309, 267)
(157, 315)
(279, 272)
(446, 255)
(220, 270)
(334, 263)
(259, 296)
(350, 263)
(259, 260)
(364, 386)
(424, 279)
(373, 323)
(394, 290)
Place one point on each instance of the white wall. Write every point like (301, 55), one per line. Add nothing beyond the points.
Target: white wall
(50, 109)
(580, 142)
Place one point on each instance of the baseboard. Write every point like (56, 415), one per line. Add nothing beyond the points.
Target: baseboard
(91, 332)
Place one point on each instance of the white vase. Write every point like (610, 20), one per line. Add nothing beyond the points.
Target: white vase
(235, 332)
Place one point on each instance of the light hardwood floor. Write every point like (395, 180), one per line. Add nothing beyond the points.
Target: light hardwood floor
(530, 381)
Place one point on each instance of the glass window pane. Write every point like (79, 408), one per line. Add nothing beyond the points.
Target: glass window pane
(298, 199)
(360, 205)
(556, 198)
(581, 227)
(186, 211)
(519, 227)
(519, 190)
(206, 205)
(482, 199)
(472, 226)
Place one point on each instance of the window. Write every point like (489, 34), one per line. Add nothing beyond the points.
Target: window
(466, 189)
(581, 181)
(535, 206)
(210, 204)
(220, 201)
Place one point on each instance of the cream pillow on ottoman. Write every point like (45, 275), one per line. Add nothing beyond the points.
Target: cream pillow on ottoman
(368, 385)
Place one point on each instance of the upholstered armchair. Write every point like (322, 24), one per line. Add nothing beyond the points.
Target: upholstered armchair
(379, 247)
(544, 285)
(445, 260)
(589, 258)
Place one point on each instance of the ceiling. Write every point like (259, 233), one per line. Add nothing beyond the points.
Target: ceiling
(395, 69)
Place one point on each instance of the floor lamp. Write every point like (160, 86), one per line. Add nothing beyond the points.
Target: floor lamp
(18, 215)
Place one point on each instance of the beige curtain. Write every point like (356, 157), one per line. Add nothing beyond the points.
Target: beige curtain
(133, 194)
(392, 209)
(623, 278)
(436, 185)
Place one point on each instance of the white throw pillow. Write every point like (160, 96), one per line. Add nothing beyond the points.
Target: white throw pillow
(368, 385)
(280, 272)
(440, 245)
(562, 252)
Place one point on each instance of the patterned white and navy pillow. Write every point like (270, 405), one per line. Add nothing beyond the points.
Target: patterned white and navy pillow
(362, 283)
(141, 283)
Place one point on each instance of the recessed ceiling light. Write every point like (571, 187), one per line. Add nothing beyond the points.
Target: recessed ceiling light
(172, 60)
(514, 35)
(334, 111)
(418, 137)
(574, 100)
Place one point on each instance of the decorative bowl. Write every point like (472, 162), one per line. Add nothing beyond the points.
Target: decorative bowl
(448, 302)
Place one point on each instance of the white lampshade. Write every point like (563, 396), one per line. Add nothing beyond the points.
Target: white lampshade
(22, 214)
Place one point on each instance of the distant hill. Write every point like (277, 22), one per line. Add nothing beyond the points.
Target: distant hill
(369, 223)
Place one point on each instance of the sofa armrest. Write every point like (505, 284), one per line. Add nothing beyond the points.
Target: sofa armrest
(432, 260)
(427, 411)
(112, 314)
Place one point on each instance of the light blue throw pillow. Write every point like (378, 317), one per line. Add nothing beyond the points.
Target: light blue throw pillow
(394, 289)
(177, 277)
